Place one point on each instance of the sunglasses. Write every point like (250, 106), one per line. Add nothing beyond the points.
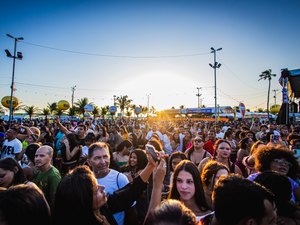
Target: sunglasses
(198, 140)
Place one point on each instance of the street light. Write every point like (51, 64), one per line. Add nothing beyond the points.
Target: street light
(198, 95)
(215, 66)
(17, 55)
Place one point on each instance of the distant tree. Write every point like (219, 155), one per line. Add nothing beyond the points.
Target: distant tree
(267, 75)
(59, 112)
(181, 107)
(128, 113)
(152, 110)
(46, 113)
(260, 110)
(144, 109)
(173, 107)
(104, 110)
(80, 105)
(52, 107)
(96, 111)
(123, 102)
(30, 110)
(72, 111)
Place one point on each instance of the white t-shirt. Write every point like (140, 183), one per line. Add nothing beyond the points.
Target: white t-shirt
(11, 148)
(167, 144)
(150, 133)
(113, 181)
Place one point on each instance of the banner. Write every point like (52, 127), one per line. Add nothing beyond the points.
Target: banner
(242, 109)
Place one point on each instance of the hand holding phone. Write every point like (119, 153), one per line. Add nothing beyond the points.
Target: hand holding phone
(152, 152)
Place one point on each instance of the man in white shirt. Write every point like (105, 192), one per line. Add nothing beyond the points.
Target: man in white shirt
(99, 160)
(12, 146)
(152, 131)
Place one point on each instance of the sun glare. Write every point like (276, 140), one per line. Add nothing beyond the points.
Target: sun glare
(164, 88)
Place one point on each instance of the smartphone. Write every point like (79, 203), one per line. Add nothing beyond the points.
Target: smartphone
(152, 152)
(296, 152)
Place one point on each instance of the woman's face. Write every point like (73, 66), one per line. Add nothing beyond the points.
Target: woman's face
(176, 136)
(221, 172)
(185, 185)
(187, 135)
(133, 159)
(6, 177)
(175, 161)
(99, 196)
(281, 166)
(224, 150)
(250, 135)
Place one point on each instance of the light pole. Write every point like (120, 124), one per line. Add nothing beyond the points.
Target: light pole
(15, 56)
(198, 95)
(73, 90)
(215, 66)
(148, 95)
(275, 90)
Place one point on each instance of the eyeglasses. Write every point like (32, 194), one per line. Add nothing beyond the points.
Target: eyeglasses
(282, 162)
(198, 140)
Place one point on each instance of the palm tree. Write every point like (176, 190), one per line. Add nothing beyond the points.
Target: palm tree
(144, 109)
(80, 105)
(46, 113)
(59, 112)
(152, 110)
(72, 111)
(267, 75)
(30, 110)
(96, 111)
(52, 107)
(104, 110)
(123, 102)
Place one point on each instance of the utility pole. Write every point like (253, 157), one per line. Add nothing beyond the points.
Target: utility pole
(73, 90)
(17, 55)
(148, 95)
(198, 95)
(215, 66)
(275, 90)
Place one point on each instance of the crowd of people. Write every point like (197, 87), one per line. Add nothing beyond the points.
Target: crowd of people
(104, 172)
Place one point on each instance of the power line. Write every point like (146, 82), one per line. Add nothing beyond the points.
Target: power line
(116, 56)
(237, 77)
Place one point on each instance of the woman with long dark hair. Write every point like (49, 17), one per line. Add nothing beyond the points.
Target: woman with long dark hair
(187, 187)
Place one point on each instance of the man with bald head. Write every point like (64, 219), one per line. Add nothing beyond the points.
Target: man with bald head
(47, 177)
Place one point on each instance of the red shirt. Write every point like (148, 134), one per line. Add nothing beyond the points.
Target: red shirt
(209, 146)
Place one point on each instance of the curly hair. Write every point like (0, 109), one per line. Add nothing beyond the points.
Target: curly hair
(267, 153)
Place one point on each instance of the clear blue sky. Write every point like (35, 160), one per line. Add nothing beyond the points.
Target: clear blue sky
(156, 48)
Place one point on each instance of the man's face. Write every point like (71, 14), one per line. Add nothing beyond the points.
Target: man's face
(100, 161)
(80, 131)
(11, 134)
(211, 135)
(154, 127)
(42, 157)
